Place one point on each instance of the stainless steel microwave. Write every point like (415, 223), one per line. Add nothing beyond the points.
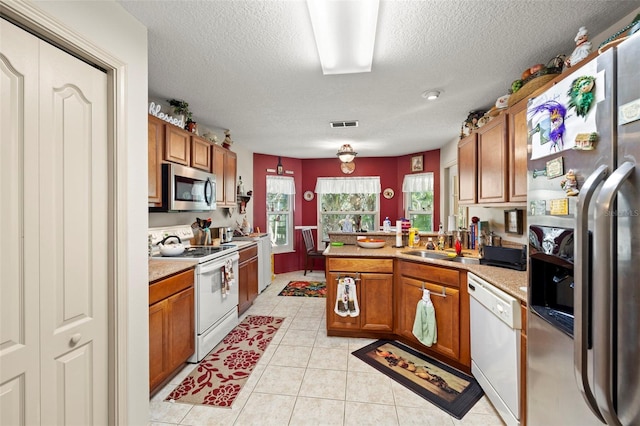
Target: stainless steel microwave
(185, 189)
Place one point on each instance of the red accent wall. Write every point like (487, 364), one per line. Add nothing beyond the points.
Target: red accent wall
(306, 171)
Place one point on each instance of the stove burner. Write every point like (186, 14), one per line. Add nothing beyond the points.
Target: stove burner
(196, 252)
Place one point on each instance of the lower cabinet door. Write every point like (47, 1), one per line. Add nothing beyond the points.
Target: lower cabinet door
(171, 335)
(181, 327)
(158, 347)
(376, 302)
(447, 311)
(334, 320)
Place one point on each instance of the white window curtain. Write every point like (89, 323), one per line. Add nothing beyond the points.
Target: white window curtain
(421, 182)
(280, 185)
(352, 185)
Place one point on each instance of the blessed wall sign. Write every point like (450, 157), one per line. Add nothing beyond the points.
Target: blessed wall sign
(155, 110)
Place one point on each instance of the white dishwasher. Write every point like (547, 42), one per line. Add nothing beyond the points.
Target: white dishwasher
(495, 346)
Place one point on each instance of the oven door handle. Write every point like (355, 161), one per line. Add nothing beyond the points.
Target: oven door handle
(216, 264)
(582, 289)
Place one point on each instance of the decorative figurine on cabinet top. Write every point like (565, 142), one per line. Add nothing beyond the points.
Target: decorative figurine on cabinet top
(582, 50)
(227, 142)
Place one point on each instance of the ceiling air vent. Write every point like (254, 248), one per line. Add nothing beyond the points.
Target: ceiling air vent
(338, 124)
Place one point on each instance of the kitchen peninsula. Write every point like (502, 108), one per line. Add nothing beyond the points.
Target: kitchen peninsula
(390, 282)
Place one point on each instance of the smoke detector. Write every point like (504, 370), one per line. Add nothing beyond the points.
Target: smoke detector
(340, 124)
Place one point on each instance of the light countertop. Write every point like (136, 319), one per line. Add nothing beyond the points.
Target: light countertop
(507, 280)
(159, 269)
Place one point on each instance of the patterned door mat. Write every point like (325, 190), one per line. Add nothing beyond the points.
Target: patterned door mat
(305, 289)
(448, 388)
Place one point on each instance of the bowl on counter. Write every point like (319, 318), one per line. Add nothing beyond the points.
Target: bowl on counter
(371, 243)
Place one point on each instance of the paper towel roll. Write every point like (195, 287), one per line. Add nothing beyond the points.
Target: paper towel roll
(451, 225)
(398, 233)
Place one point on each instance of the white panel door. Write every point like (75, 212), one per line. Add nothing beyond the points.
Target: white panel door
(58, 160)
(73, 250)
(19, 228)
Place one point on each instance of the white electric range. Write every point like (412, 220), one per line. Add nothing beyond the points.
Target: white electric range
(216, 286)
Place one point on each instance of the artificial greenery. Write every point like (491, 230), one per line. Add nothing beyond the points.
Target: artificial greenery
(181, 107)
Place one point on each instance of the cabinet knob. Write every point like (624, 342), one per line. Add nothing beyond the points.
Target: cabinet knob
(75, 339)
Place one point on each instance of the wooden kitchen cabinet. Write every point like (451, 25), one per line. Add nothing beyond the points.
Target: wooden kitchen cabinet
(155, 141)
(247, 277)
(374, 291)
(518, 136)
(200, 153)
(177, 145)
(171, 327)
(493, 152)
(492, 161)
(186, 148)
(224, 165)
(452, 311)
(468, 169)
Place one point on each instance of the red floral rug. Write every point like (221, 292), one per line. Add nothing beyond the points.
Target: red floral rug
(305, 289)
(221, 374)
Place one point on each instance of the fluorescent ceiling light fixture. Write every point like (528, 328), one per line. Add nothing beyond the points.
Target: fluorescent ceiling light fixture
(345, 32)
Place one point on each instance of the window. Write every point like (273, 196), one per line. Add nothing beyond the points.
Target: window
(418, 196)
(280, 201)
(347, 204)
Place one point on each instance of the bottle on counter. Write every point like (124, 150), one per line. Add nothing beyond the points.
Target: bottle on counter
(458, 245)
(440, 237)
(430, 245)
(412, 234)
(386, 225)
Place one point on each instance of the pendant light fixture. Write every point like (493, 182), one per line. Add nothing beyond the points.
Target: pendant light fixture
(346, 154)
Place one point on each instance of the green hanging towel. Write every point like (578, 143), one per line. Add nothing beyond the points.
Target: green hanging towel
(424, 325)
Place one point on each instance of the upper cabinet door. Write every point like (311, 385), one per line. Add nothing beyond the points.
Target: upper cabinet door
(200, 153)
(230, 169)
(155, 141)
(467, 169)
(493, 159)
(177, 145)
(518, 134)
(218, 169)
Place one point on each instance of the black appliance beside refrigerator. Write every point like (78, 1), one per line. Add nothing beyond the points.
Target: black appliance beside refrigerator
(584, 245)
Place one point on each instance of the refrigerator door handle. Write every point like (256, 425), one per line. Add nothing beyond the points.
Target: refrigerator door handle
(582, 290)
(603, 351)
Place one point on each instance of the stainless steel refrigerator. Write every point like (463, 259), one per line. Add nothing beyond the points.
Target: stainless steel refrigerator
(583, 334)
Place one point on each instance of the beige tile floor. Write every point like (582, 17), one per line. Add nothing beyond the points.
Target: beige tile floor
(307, 378)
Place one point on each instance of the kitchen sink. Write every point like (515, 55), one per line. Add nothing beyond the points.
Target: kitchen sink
(442, 256)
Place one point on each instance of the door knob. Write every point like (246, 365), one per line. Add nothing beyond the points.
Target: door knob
(75, 339)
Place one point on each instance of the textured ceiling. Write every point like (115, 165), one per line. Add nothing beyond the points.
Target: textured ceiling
(252, 67)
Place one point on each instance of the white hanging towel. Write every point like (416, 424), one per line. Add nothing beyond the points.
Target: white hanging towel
(341, 300)
(352, 302)
(424, 325)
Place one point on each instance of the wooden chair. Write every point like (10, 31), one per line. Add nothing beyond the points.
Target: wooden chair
(311, 251)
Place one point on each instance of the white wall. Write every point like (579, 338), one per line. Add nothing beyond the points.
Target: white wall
(108, 26)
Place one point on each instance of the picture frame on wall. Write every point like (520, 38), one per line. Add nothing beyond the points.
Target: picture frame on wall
(417, 163)
(513, 221)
